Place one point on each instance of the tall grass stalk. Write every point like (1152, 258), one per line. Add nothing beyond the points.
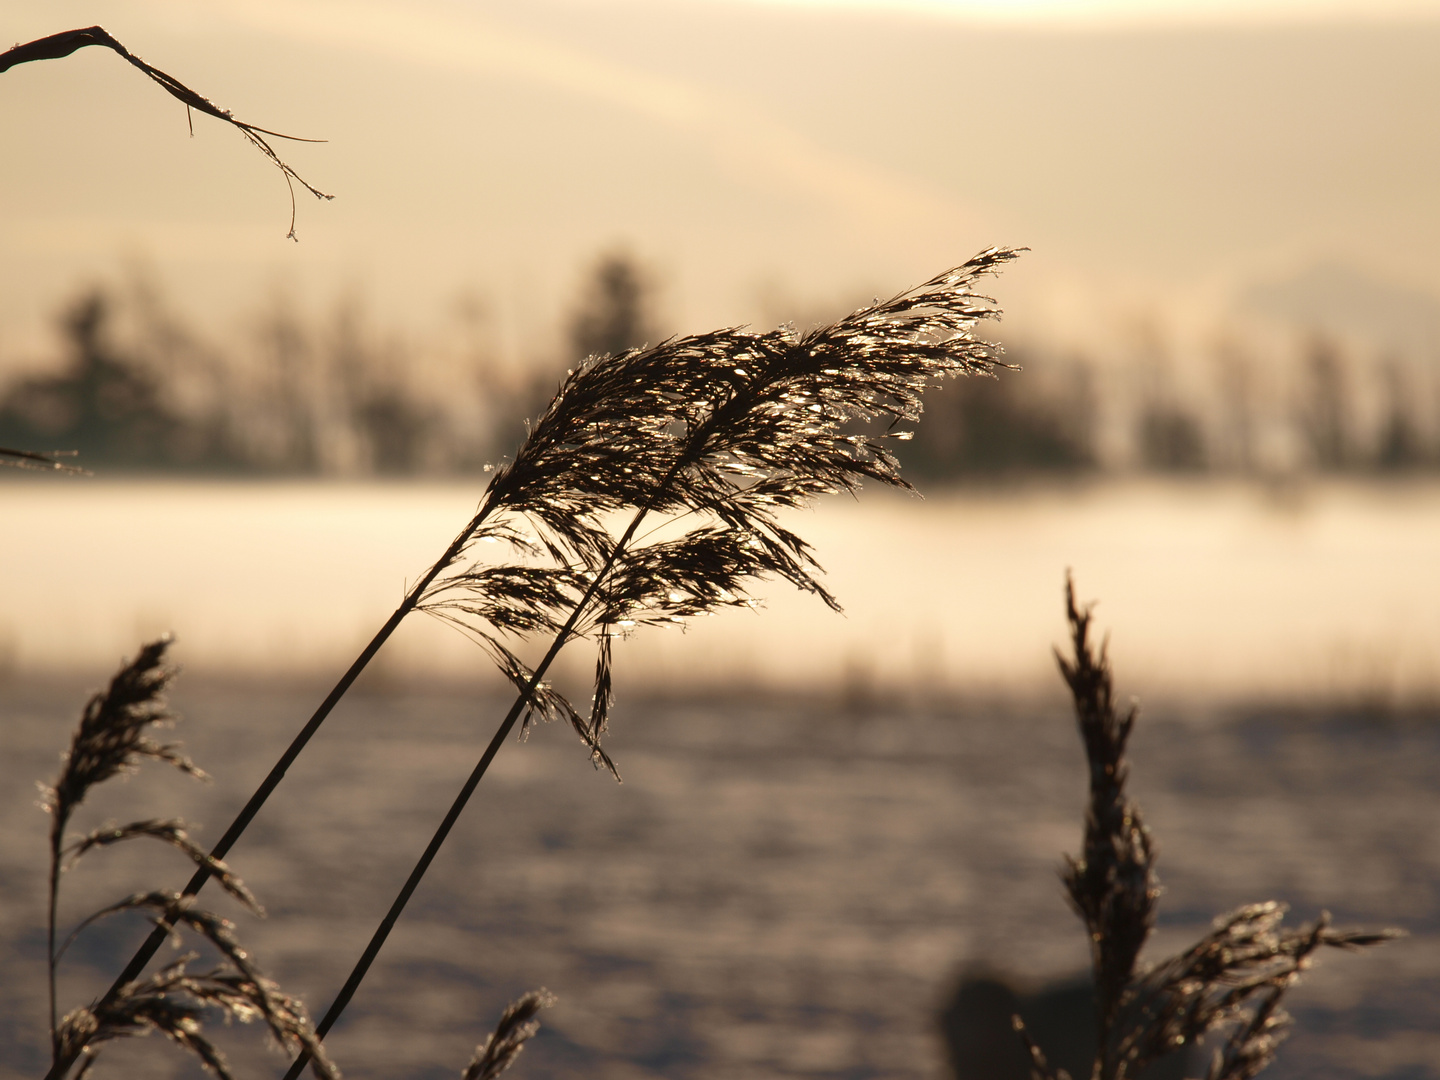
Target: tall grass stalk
(712, 434)
(113, 738)
(272, 780)
(1230, 983)
(706, 438)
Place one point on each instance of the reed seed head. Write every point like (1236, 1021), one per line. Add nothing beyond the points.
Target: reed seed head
(708, 438)
(112, 738)
(1232, 980)
(516, 1027)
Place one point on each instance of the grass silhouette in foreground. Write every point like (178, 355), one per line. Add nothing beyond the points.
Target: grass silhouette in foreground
(1229, 985)
(702, 440)
(1231, 982)
(708, 437)
(113, 739)
(647, 493)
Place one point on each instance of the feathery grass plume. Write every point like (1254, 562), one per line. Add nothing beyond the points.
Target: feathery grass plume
(1112, 884)
(712, 435)
(172, 832)
(1232, 980)
(709, 436)
(174, 1002)
(516, 1027)
(1236, 975)
(111, 740)
(58, 46)
(111, 737)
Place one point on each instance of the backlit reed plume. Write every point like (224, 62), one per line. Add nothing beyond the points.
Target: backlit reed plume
(57, 46)
(1229, 984)
(708, 437)
(114, 738)
(702, 440)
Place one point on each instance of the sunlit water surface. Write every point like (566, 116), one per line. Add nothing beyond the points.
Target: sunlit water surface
(1213, 590)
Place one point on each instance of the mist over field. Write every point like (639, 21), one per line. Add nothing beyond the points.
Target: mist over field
(1218, 591)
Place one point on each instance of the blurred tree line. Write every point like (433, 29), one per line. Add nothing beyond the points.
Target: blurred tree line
(138, 390)
(339, 399)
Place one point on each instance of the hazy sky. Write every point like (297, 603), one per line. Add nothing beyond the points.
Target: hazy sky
(1094, 13)
(761, 156)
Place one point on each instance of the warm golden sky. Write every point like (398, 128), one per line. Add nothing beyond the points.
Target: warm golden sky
(1092, 13)
(747, 150)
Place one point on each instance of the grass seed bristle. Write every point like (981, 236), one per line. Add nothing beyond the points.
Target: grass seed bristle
(516, 1027)
(714, 433)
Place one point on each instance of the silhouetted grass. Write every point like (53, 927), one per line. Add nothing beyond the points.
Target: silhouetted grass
(646, 494)
(113, 739)
(701, 440)
(1230, 984)
(709, 436)
(704, 439)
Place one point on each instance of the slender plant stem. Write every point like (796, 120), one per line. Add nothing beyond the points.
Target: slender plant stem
(377, 940)
(56, 833)
(382, 932)
(157, 937)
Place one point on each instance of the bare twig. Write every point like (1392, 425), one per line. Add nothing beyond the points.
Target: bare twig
(57, 46)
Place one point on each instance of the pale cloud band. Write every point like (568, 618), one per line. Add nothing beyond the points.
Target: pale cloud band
(736, 135)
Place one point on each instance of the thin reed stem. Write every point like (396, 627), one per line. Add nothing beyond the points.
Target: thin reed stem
(754, 435)
(57, 827)
(382, 932)
(158, 936)
(735, 425)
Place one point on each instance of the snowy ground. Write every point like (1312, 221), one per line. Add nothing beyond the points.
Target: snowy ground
(782, 887)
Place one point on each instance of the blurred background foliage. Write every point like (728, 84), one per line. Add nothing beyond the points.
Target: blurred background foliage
(134, 386)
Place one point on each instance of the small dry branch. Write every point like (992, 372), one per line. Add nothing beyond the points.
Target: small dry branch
(58, 46)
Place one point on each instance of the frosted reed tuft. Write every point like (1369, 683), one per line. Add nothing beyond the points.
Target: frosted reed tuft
(113, 738)
(1230, 984)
